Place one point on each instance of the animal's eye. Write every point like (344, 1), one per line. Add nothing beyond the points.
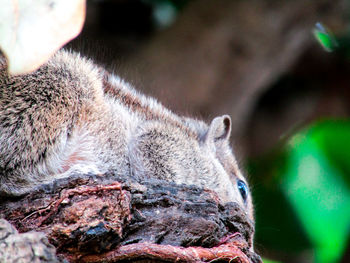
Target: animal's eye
(243, 189)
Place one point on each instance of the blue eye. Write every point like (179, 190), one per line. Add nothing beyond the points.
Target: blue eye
(243, 189)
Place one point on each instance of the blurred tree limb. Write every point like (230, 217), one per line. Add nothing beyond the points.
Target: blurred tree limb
(220, 55)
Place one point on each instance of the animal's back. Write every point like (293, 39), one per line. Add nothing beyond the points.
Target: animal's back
(68, 114)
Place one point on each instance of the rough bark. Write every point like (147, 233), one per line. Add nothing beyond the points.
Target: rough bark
(98, 219)
(29, 247)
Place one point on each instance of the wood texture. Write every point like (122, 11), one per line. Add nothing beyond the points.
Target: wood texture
(101, 218)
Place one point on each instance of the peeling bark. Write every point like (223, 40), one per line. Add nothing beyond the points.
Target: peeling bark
(95, 218)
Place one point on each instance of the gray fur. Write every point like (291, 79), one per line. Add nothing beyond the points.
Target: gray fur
(71, 115)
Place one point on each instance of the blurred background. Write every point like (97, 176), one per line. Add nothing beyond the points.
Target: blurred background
(283, 78)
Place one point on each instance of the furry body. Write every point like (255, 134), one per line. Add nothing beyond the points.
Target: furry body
(71, 115)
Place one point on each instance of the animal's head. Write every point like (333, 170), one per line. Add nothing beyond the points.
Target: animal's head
(214, 140)
(191, 152)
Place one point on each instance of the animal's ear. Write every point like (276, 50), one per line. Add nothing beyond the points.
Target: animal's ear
(219, 129)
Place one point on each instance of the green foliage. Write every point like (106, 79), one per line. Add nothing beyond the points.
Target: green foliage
(269, 261)
(305, 193)
(325, 37)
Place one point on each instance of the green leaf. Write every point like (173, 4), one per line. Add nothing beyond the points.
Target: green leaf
(325, 38)
(277, 226)
(269, 261)
(315, 184)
